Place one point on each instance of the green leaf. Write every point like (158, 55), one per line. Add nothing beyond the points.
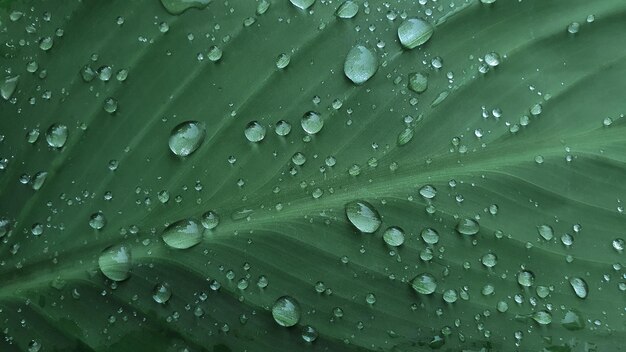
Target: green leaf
(168, 178)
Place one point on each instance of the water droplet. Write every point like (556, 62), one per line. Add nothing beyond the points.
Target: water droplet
(489, 260)
(254, 131)
(360, 64)
(542, 317)
(467, 226)
(46, 43)
(414, 32)
(418, 82)
(573, 27)
(104, 73)
(450, 295)
(34, 346)
(186, 137)
(430, 236)
(525, 278)
(176, 7)
(282, 128)
(363, 216)
(56, 135)
(97, 221)
(348, 9)
(283, 60)
(580, 287)
(302, 4)
(546, 232)
(183, 234)
(405, 136)
(618, 244)
(286, 311)
(492, 59)
(428, 191)
(8, 87)
(39, 179)
(309, 333)
(262, 7)
(424, 284)
(115, 262)
(572, 320)
(110, 105)
(215, 53)
(487, 1)
(210, 220)
(161, 293)
(394, 236)
(312, 122)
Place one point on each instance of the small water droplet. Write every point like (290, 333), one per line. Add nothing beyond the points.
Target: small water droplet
(162, 293)
(312, 122)
(115, 262)
(363, 216)
(546, 232)
(283, 60)
(56, 135)
(7, 88)
(286, 311)
(183, 234)
(467, 226)
(418, 82)
(414, 32)
(97, 221)
(360, 64)
(424, 284)
(394, 236)
(302, 4)
(309, 333)
(176, 7)
(282, 128)
(186, 137)
(542, 317)
(580, 287)
(525, 278)
(254, 131)
(347, 9)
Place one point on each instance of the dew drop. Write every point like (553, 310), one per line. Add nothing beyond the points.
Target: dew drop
(210, 220)
(302, 4)
(424, 284)
(186, 137)
(430, 236)
(286, 311)
(309, 333)
(467, 226)
(176, 7)
(312, 122)
(282, 128)
(254, 131)
(283, 60)
(360, 64)
(580, 287)
(97, 221)
(161, 293)
(347, 9)
(542, 317)
(414, 32)
(525, 278)
(394, 236)
(418, 82)
(115, 262)
(56, 135)
(546, 232)
(363, 216)
(7, 88)
(183, 234)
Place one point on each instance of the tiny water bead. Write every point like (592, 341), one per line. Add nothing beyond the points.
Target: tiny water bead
(186, 137)
(115, 262)
(254, 131)
(414, 32)
(303, 4)
(183, 234)
(363, 216)
(360, 64)
(580, 287)
(56, 135)
(176, 7)
(424, 284)
(312, 122)
(394, 236)
(467, 227)
(161, 293)
(525, 278)
(418, 82)
(286, 311)
(282, 128)
(348, 9)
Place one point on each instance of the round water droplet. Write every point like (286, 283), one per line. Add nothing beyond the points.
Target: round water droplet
(424, 284)
(489, 260)
(450, 295)
(414, 32)
(430, 236)
(115, 262)
(56, 135)
(467, 226)
(394, 236)
(282, 128)
(34, 346)
(492, 59)
(525, 278)
(309, 333)
(360, 64)
(110, 105)
(183, 234)
(363, 216)
(312, 122)
(428, 192)
(176, 7)
(580, 287)
(186, 137)
(254, 132)
(282, 60)
(348, 9)
(286, 311)
(573, 27)
(302, 4)
(97, 221)
(215, 53)
(210, 220)
(162, 293)
(418, 82)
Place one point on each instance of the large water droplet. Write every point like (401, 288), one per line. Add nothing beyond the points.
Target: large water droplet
(542, 317)
(430, 236)
(363, 216)
(424, 284)
(56, 135)
(348, 9)
(187, 137)
(176, 7)
(546, 232)
(418, 82)
(286, 311)
(97, 220)
(414, 32)
(394, 236)
(467, 226)
(580, 286)
(162, 293)
(312, 122)
(210, 220)
(360, 65)
(115, 262)
(525, 278)
(8, 86)
(183, 234)
(302, 4)
(254, 131)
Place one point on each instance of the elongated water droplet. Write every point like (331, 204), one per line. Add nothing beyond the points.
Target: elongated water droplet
(183, 234)
(573, 320)
(162, 293)
(56, 135)
(580, 287)
(546, 232)
(302, 4)
(39, 179)
(414, 32)
(405, 136)
(467, 226)
(8, 87)
(348, 9)
(186, 138)
(428, 191)
(360, 65)
(394, 236)
(254, 131)
(283, 60)
(312, 122)
(363, 216)
(115, 262)
(286, 311)
(176, 7)
(542, 317)
(430, 236)
(424, 284)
